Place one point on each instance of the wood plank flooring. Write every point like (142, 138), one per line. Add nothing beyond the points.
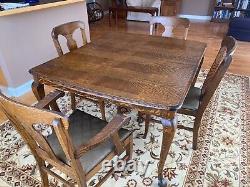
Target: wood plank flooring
(208, 32)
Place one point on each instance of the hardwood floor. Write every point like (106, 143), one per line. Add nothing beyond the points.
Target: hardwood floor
(210, 33)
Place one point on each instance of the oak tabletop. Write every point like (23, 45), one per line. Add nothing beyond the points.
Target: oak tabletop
(148, 71)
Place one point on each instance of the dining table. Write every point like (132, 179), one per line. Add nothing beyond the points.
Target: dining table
(151, 74)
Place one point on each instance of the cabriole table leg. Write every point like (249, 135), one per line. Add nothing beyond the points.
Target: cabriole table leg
(169, 127)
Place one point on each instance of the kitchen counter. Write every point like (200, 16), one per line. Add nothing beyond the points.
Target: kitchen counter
(42, 5)
(26, 41)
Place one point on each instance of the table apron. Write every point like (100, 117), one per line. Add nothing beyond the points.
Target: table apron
(159, 112)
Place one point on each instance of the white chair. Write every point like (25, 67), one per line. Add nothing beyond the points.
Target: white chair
(169, 24)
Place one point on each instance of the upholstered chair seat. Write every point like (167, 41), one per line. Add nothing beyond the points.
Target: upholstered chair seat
(192, 100)
(82, 128)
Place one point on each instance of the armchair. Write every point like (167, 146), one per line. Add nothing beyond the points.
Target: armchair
(77, 145)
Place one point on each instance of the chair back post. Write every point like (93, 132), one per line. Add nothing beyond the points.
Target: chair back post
(186, 24)
(169, 24)
(228, 47)
(230, 43)
(66, 30)
(214, 77)
(151, 31)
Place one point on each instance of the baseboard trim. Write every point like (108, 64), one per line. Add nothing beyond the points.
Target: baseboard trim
(18, 91)
(196, 17)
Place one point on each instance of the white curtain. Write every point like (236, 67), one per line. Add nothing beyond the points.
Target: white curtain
(143, 3)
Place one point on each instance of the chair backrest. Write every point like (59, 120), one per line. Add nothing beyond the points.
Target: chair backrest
(169, 24)
(25, 118)
(230, 43)
(67, 31)
(214, 77)
(228, 46)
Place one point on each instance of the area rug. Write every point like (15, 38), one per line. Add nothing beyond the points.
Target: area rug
(222, 158)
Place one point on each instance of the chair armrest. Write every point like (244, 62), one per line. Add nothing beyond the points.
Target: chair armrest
(48, 99)
(107, 132)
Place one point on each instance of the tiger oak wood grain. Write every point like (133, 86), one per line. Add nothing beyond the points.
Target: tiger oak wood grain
(148, 71)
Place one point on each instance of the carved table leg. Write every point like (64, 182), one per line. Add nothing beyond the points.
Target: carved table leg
(38, 90)
(169, 127)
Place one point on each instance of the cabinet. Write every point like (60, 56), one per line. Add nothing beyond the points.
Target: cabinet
(224, 10)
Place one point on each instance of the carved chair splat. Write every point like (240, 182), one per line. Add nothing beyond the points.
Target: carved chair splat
(169, 24)
(66, 30)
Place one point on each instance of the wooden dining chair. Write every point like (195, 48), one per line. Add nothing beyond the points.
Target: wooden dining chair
(66, 30)
(197, 99)
(76, 146)
(169, 24)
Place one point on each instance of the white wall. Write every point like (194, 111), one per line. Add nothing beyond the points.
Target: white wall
(197, 7)
(25, 39)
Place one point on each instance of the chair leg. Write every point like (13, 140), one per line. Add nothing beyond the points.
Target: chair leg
(147, 121)
(73, 101)
(196, 128)
(54, 106)
(102, 108)
(129, 148)
(80, 174)
(43, 174)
